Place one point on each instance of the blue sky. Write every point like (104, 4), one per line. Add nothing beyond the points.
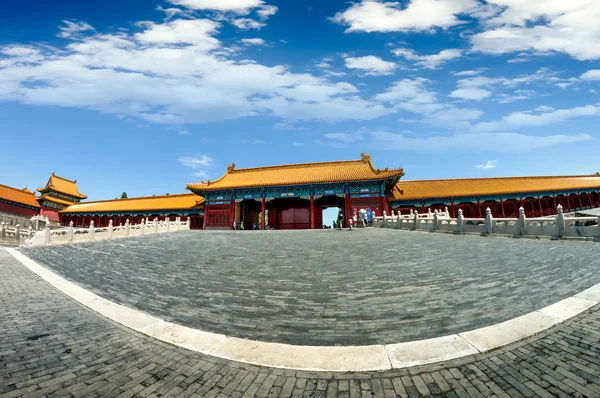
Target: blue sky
(144, 96)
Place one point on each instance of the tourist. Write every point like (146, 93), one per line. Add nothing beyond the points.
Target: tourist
(350, 223)
(234, 225)
(254, 227)
(242, 226)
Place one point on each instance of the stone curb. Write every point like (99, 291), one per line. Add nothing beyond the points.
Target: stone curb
(324, 358)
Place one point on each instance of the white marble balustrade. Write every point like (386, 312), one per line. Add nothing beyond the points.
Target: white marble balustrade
(554, 226)
(73, 235)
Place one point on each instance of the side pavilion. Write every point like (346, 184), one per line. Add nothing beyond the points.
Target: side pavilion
(293, 196)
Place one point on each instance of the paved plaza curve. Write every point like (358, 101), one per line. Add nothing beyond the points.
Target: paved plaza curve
(52, 346)
(329, 288)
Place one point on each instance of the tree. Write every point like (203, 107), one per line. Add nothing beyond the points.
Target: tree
(124, 195)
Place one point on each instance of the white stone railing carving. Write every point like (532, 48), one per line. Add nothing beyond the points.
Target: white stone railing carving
(73, 235)
(15, 234)
(554, 226)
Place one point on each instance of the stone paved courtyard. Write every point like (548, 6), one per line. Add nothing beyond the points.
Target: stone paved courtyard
(52, 346)
(328, 287)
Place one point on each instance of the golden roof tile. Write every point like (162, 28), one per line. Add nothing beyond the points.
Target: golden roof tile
(144, 203)
(298, 174)
(425, 189)
(62, 185)
(18, 196)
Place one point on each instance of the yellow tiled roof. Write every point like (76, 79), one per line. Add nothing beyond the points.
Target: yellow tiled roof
(59, 184)
(18, 196)
(55, 200)
(410, 190)
(145, 203)
(26, 189)
(296, 174)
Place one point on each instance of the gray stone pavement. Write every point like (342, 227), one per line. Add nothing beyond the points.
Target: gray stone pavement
(52, 346)
(373, 286)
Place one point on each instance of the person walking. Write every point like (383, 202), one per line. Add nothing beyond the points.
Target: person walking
(242, 226)
(234, 225)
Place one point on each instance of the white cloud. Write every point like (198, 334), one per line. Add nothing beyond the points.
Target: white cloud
(413, 96)
(490, 142)
(472, 72)
(371, 65)
(542, 26)
(195, 162)
(480, 87)
(253, 42)
(471, 93)
(428, 61)
(266, 11)
(544, 108)
(198, 164)
(173, 12)
(490, 164)
(72, 29)
(593, 74)
(247, 23)
(527, 119)
(238, 6)
(395, 16)
(175, 72)
(343, 138)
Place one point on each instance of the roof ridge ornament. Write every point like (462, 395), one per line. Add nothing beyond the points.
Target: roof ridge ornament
(365, 157)
(231, 168)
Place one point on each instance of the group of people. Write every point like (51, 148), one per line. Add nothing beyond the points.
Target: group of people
(255, 227)
(357, 220)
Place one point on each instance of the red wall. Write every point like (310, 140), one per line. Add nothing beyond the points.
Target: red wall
(51, 213)
(18, 210)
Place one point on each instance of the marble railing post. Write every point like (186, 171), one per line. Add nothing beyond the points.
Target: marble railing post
(560, 221)
(168, 221)
(460, 222)
(429, 215)
(155, 225)
(489, 227)
(416, 219)
(2, 231)
(143, 226)
(446, 214)
(127, 227)
(436, 220)
(47, 234)
(17, 233)
(92, 230)
(29, 232)
(70, 233)
(384, 219)
(188, 223)
(110, 229)
(398, 220)
(522, 221)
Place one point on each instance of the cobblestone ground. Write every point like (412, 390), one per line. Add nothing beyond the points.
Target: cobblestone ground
(52, 346)
(370, 286)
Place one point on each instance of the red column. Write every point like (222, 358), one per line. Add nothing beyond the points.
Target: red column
(540, 203)
(580, 204)
(312, 212)
(479, 208)
(554, 199)
(347, 209)
(590, 200)
(232, 218)
(205, 217)
(264, 213)
(568, 202)
(502, 205)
